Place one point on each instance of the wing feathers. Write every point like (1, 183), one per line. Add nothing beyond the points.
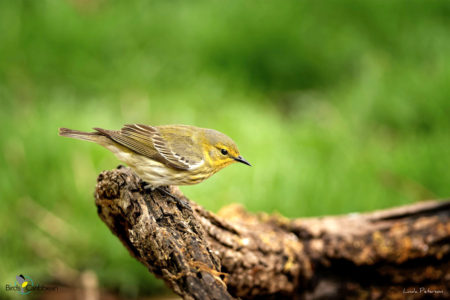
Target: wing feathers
(137, 144)
(148, 141)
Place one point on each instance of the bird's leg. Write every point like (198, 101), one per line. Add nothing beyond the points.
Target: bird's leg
(183, 203)
(148, 187)
(180, 201)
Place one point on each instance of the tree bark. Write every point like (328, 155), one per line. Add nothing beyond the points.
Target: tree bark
(391, 254)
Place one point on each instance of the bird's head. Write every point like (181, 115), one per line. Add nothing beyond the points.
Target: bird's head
(220, 150)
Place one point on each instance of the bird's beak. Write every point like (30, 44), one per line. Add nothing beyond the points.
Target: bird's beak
(242, 160)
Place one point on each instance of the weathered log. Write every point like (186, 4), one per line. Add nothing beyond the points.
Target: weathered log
(392, 254)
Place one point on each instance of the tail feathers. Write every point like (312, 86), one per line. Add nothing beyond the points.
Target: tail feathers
(88, 136)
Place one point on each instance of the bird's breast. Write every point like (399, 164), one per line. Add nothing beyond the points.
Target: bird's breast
(156, 173)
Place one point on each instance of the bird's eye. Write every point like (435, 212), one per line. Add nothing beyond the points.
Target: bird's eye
(224, 151)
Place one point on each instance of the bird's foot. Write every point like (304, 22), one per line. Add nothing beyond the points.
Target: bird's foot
(148, 187)
(162, 190)
(182, 202)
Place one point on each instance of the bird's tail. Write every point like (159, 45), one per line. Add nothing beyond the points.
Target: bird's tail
(88, 136)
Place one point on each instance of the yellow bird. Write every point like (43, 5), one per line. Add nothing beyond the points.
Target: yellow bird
(166, 155)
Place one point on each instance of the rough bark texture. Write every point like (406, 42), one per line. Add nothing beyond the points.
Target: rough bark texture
(392, 254)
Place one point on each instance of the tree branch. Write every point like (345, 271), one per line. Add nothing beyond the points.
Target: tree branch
(201, 255)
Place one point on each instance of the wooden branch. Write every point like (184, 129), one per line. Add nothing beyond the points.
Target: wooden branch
(393, 253)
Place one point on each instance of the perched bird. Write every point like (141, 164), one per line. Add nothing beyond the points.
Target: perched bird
(166, 155)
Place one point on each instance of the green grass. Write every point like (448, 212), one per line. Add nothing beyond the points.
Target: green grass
(341, 106)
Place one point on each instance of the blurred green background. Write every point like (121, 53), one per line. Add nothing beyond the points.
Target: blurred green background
(341, 106)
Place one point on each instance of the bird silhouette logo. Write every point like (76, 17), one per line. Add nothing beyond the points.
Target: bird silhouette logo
(23, 282)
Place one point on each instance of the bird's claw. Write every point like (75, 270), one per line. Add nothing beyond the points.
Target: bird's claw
(177, 200)
(148, 187)
(182, 202)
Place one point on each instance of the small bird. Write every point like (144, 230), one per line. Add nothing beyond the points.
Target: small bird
(168, 154)
(22, 282)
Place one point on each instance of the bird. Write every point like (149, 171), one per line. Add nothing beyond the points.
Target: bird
(167, 154)
(22, 282)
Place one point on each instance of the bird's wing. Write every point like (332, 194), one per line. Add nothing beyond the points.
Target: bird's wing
(168, 146)
(180, 146)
